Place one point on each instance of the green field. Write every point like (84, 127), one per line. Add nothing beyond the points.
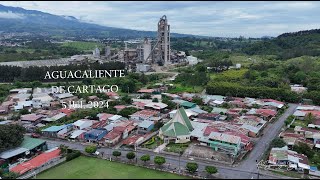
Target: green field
(92, 168)
(83, 46)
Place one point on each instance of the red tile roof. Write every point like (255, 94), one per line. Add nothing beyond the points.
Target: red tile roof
(36, 162)
(31, 117)
(68, 112)
(120, 106)
(145, 113)
(100, 124)
(112, 135)
(146, 91)
(112, 94)
(266, 112)
(105, 116)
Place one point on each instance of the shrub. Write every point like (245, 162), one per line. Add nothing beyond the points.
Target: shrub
(73, 155)
(91, 149)
(211, 169)
(192, 167)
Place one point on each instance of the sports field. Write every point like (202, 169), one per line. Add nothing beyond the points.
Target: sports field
(92, 168)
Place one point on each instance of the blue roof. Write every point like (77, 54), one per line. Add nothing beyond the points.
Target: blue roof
(96, 132)
(55, 128)
(313, 168)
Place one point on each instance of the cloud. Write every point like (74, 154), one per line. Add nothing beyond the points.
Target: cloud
(222, 18)
(11, 15)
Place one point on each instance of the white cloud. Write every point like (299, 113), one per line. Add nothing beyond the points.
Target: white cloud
(221, 18)
(11, 15)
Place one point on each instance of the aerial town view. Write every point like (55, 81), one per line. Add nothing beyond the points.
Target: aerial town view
(159, 90)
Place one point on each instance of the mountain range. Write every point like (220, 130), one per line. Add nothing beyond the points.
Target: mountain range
(16, 19)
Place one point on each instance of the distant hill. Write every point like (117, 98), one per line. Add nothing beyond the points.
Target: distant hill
(16, 19)
(288, 45)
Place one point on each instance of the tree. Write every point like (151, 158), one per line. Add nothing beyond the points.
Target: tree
(277, 142)
(63, 149)
(159, 160)
(131, 155)
(127, 111)
(303, 148)
(91, 149)
(191, 167)
(155, 100)
(116, 154)
(309, 118)
(145, 158)
(126, 99)
(11, 136)
(24, 111)
(197, 100)
(211, 170)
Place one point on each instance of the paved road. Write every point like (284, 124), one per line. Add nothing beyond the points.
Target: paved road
(270, 132)
(246, 170)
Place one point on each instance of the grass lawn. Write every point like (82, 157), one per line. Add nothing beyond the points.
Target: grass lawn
(172, 147)
(153, 143)
(83, 46)
(92, 168)
(301, 123)
(179, 88)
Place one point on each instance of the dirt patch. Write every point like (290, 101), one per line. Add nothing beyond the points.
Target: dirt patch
(196, 150)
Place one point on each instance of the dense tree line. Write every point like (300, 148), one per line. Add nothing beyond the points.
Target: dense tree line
(11, 136)
(35, 73)
(225, 88)
(287, 45)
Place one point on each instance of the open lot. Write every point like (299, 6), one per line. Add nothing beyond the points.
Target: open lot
(92, 168)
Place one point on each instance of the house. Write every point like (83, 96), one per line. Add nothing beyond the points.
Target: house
(292, 139)
(219, 110)
(272, 102)
(23, 105)
(41, 100)
(82, 124)
(36, 162)
(67, 111)
(113, 95)
(77, 135)
(178, 129)
(171, 96)
(251, 123)
(188, 105)
(28, 148)
(223, 142)
(55, 117)
(4, 110)
(119, 107)
(146, 91)
(209, 116)
(104, 116)
(32, 118)
(21, 91)
(283, 156)
(93, 98)
(53, 131)
(156, 106)
(144, 115)
(299, 114)
(112, 137)
(95, 135)
(100, 124)
(139, 105)
(266, 114)
(116, 118)
(145, 127)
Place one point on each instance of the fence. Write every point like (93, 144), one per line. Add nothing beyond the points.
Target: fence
(44, 167)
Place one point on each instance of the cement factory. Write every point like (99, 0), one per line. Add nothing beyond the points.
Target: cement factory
(141, 55)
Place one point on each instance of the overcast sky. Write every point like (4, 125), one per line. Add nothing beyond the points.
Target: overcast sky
(223, 18)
